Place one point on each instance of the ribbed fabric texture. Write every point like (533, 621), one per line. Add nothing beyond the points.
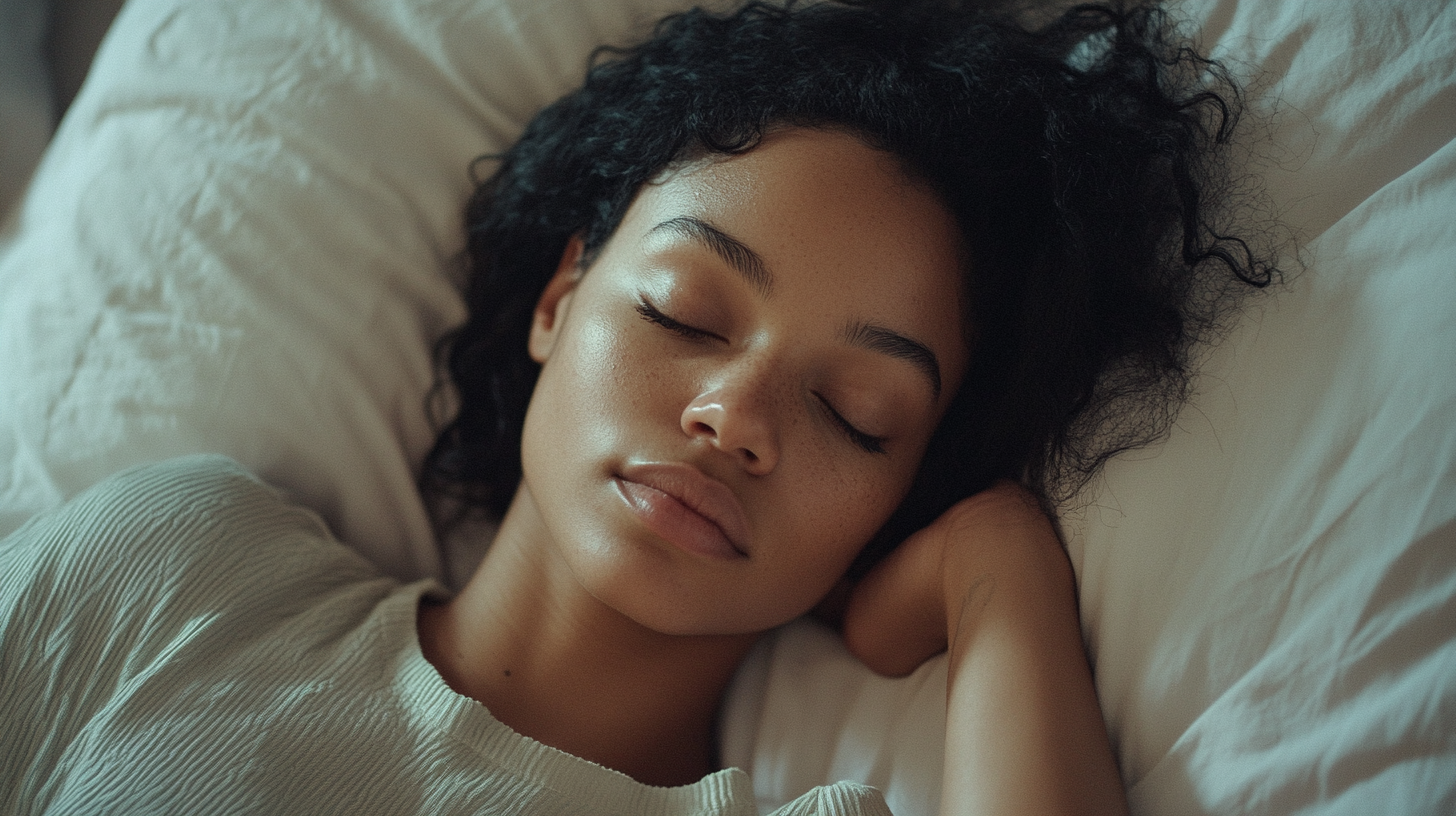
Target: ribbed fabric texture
(179, 639)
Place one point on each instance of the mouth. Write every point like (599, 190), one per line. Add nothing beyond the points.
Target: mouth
(686, 508)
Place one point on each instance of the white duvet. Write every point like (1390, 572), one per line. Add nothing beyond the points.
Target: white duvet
(244, 239)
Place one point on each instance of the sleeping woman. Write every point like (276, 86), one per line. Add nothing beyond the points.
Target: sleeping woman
(781, 305)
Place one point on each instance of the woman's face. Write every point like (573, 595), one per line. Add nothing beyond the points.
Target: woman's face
(737, 394)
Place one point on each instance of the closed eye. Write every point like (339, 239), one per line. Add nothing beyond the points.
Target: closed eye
(870, 444)
(652, 314)
(866, 442)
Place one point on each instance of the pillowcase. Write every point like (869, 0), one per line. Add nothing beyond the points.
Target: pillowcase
(244, 239)
(1268, 596)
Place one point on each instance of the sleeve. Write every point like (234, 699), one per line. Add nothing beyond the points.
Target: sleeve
(96, 594)
(839, 799)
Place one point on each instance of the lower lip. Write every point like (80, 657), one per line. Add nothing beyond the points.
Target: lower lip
(675, 522)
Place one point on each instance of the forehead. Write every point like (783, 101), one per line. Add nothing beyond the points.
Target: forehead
(805, 182)
(838, 223)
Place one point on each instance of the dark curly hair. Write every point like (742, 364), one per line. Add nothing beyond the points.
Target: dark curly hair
(1080, 159)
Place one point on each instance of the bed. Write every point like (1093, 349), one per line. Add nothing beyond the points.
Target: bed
(244, 238)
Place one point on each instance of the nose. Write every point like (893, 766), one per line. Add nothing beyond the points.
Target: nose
(733, 421)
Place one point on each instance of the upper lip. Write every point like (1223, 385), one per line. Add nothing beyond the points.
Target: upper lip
(700, 493)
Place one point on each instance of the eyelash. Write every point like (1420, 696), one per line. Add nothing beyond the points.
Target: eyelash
(651, 314)
(870, 444)
(866, 442)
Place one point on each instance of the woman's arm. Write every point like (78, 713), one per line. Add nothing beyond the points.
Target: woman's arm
(1024, 733)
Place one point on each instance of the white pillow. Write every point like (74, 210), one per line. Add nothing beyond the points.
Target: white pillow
(243, 237)
(1269, 596)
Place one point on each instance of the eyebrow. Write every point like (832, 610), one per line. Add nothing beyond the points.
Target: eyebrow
(752, 267)
(734, 252)
(885, 341)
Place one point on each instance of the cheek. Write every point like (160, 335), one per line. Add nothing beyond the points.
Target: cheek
(594, 390)
(832, 511)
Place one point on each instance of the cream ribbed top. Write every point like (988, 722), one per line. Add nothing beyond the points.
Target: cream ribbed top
(180, 639)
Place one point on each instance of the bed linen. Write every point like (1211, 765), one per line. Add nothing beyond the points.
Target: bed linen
(244, 239)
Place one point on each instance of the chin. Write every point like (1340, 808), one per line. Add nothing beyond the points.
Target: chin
(688, 608)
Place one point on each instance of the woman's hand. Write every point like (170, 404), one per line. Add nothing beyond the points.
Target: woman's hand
(990, 581)
(910, 606)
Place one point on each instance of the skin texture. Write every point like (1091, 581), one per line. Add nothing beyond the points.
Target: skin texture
(760, 329)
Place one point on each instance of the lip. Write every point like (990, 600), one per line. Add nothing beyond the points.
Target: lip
(686, 508)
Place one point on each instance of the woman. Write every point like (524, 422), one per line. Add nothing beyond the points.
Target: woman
(771, 292)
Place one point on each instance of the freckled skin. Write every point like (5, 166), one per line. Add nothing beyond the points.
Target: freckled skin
(847, 238)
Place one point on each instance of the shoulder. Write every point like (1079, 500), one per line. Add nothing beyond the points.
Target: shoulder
(188, 497)
(193, 498)
(194, 529)
(140, 588)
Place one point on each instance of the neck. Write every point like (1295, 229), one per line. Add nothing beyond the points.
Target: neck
(555, 664)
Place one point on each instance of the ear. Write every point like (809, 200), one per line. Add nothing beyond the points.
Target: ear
(550, 313)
